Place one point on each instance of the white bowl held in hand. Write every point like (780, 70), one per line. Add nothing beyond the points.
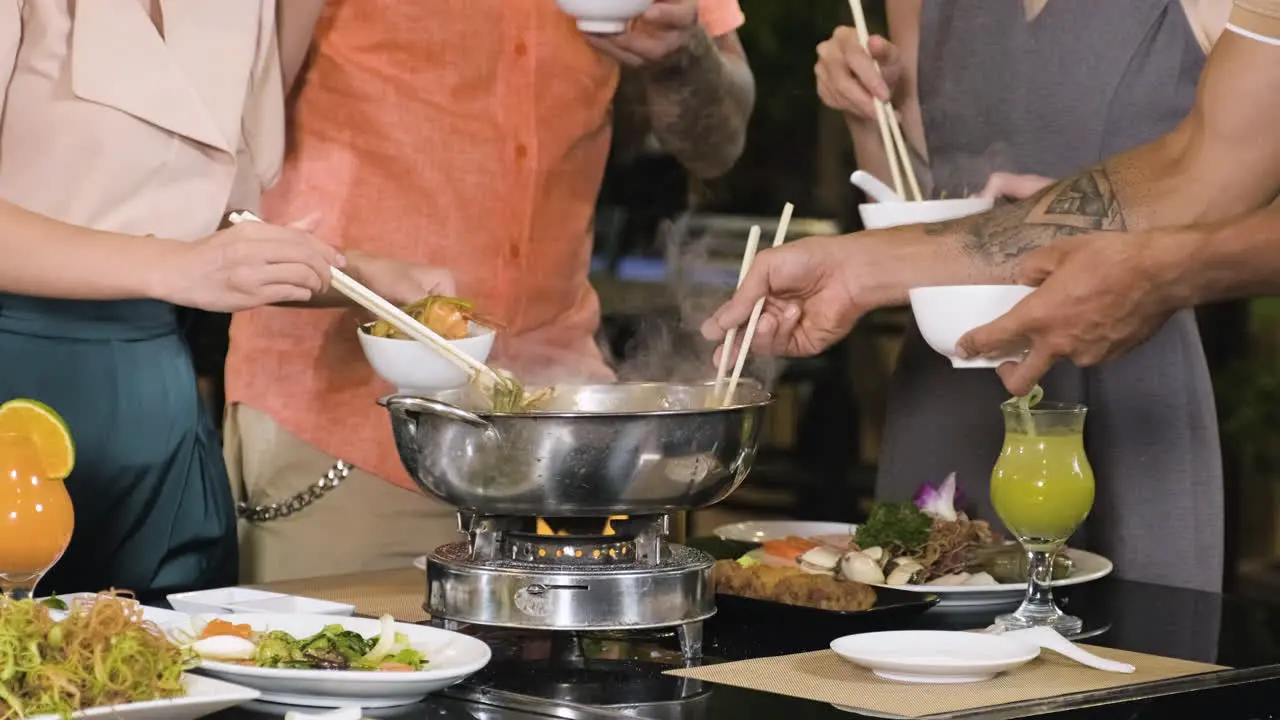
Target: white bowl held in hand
(892, 214)
(413, 368)
(604, 17)
(945, 313)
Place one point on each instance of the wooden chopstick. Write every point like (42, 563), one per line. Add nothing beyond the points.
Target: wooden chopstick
(778, 238)
(753, 241)
(384, 310)
(895, 147)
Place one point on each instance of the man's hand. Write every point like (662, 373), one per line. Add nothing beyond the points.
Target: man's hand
(399, 282)
(655, 37)
(815, 290)
(1098, 296)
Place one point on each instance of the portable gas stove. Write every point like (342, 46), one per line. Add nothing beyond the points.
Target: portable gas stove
(577, 574)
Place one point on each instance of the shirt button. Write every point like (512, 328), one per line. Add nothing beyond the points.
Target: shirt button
(522, 151)
(521, 49)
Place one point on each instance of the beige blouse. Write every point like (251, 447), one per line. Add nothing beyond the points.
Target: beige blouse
(107, 123)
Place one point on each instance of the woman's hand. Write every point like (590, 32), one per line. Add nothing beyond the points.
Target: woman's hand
(399, 282)
(1013, 186)
(848, 79)
(243, 267)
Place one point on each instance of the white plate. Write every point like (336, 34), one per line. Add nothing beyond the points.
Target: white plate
(1086, 567)
(244, 600)
(758, 531)
(205, 696)
(159, 616)
(934, 656)
(452, 657)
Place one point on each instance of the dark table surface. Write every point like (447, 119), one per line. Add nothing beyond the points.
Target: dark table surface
(533, 676)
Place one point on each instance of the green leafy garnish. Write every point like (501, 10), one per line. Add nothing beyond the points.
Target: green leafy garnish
(334, 648)
(53, 602)
(900, 528)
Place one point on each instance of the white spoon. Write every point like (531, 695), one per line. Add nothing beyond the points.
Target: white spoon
(874, 189)
(1050, 639)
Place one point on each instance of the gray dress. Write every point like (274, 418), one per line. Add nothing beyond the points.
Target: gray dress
(1082, 81)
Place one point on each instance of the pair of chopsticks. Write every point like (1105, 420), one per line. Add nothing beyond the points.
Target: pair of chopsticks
(723, 395)
(895, 147)
(399, 319)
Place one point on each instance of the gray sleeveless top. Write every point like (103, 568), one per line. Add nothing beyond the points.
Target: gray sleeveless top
(1082, 81)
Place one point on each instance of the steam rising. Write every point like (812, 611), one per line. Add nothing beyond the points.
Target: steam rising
(668, 344)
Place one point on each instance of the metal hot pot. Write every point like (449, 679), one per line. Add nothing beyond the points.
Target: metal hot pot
(591, 451)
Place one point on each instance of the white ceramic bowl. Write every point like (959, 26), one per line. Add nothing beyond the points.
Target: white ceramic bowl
(892, 214)
(945, 313)
(414, 368)
(604, 17)
(935, 656)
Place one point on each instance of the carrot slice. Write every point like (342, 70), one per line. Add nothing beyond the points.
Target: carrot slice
(222, 627)
(788, 549)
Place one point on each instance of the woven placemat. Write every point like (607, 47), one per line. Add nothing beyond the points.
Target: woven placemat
(398, 593)
(825, 677)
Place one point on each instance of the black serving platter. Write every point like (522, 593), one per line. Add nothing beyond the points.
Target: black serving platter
(800, 629)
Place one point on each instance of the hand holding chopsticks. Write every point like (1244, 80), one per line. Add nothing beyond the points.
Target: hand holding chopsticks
(397, 318)
(895, 146)
(724, 395)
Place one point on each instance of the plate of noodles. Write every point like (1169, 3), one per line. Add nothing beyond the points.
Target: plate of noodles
(100, 657)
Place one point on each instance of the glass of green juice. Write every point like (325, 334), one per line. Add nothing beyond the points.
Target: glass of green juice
(1042, 489)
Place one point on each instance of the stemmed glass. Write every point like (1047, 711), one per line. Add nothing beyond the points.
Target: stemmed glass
(1042, 489)
(36, 518)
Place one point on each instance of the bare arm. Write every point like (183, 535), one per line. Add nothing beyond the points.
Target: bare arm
(295, 24)
(700, 102)
(1221, 161)
(1234, 259)
(67, 261)
(904, 32)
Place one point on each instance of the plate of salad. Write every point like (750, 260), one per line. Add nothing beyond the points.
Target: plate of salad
(928, 545)
(326, 661)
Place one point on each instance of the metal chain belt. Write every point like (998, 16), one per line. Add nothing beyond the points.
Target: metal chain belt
(274, 511)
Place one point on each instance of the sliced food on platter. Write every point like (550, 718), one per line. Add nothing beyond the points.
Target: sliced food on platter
(328, 661)
(926, 545)
(99, 655)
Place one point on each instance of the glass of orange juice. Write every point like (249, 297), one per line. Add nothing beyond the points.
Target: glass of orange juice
(36, 518)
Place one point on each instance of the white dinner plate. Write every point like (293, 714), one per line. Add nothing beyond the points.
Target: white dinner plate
(1086, 566)
(934, 656)
(451, 658)
(758, 531)
(205, 696)
(159, 616)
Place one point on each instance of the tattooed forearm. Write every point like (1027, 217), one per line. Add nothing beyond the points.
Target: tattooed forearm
(1082, 204)
(699, 103)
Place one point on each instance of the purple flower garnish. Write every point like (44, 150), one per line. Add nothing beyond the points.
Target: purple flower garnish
(939, 502)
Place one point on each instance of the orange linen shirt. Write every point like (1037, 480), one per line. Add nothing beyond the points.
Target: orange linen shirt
(465, 134)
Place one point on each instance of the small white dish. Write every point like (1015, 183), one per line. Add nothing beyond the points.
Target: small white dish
(292, 604)
(758, 531)
(451, 658)
(876, 216)
(205, 696)
(945, 313)
(420, 562)
(413, 368)
(935, 656)
(604, 17)
(249, 600)
(218, 600)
